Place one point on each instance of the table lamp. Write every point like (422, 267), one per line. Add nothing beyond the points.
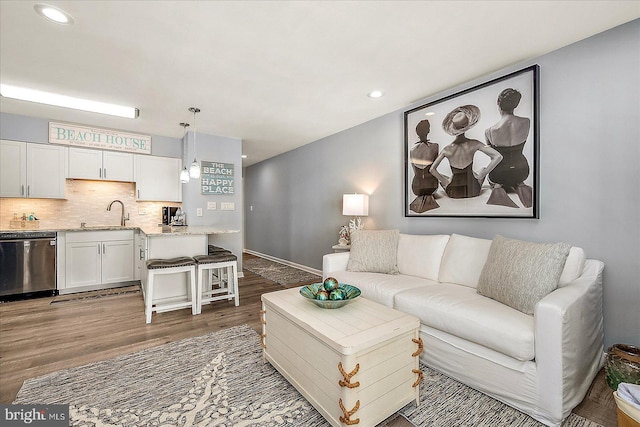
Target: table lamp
(355, 205)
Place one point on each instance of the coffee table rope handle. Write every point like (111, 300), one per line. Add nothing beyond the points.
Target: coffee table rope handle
(264, 322)
(347, 377)
(420, 377)
(420, 346)
(347, 414)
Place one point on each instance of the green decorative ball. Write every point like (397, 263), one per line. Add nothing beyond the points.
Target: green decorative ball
(322, 295)
(330, 284)
(337, 295)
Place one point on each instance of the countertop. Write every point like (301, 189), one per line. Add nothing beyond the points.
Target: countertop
(149, 231)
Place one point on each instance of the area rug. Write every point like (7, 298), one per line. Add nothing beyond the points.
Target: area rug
(220, 379)
(279, 273)
(102, 293)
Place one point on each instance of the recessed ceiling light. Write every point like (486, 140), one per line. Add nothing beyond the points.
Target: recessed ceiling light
(244, 156)
(25, 94)
(430, 113)
(54, 14)
(375, 94)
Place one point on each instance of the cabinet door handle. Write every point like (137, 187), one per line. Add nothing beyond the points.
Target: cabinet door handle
(138, 194)
(141, 254)
(104, 248)
(100, 172)
(22, 190)
(98, 248)
(105, 173)
(28, 190)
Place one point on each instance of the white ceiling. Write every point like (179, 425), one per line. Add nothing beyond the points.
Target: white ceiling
(278, 74)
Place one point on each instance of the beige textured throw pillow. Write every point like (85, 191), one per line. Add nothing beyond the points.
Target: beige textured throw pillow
(519, 274)
(374, 251)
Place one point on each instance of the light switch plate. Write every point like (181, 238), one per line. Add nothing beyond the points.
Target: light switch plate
(227, 206)
(199, 212)
(211, 206)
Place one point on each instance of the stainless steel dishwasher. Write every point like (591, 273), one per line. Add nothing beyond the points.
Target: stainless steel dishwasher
(27, 264)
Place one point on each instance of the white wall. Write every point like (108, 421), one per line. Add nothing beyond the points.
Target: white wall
(589, 176)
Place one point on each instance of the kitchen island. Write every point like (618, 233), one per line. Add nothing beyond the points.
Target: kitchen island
(172, 242)
(98, 257)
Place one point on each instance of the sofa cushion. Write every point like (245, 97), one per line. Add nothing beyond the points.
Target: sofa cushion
(374, 251)
(463, 260)
(461, 311)
(573, 267)
(380, 288)
(421, 255)
(520, 274)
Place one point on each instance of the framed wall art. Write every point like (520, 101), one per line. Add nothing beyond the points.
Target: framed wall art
(475, 153)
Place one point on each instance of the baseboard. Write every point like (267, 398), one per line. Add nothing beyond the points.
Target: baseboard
(284, 261)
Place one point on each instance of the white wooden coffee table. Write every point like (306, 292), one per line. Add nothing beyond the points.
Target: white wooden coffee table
(357, 364)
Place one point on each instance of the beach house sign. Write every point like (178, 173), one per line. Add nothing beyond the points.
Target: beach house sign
(93, 137)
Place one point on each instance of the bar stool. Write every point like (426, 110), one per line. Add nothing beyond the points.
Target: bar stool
(217, 275)
(227, 289)
(158, 266)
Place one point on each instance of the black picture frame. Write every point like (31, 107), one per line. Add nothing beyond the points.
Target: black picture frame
(511, 189)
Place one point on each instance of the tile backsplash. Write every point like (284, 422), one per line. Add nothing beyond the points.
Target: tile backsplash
(86, 201)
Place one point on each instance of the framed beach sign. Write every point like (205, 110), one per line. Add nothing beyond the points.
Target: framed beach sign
(475, 153)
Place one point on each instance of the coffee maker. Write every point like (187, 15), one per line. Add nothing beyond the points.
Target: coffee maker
(168, 214)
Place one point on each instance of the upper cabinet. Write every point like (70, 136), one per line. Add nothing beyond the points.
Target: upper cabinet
(100, 165)
(32, 170)
(158, 178)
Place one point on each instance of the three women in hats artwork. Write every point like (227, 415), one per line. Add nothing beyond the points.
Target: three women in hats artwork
(507, 169)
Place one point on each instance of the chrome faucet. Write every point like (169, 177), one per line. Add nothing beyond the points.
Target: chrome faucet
(122, 218)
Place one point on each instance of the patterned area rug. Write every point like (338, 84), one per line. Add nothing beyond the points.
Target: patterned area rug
(220, 380)
(279, 273)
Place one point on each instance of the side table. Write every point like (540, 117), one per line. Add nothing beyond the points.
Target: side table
(341, 248)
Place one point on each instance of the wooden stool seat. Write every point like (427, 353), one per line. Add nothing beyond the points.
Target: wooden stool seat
(218, 260)
(158, 266)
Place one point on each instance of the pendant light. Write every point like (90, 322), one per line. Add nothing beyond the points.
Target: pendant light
(194, 169)
(184, 173)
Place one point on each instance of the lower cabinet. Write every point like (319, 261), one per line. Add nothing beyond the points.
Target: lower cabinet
(96, 258)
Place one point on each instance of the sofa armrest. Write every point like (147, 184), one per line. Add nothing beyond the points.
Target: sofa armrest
(569, 340)
(334, 262)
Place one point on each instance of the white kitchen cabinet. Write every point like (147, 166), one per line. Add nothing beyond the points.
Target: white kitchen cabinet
(100, 165)
(158, 178)
(97, 258)
(32, 170)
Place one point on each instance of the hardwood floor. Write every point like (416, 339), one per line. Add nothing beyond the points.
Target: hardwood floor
(37, 337)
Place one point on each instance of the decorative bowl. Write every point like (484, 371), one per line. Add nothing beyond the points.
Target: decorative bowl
(310, 291)
(622, 365)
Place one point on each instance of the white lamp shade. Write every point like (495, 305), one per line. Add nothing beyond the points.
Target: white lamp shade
(355, 204)
(184, 176)
(194, 170)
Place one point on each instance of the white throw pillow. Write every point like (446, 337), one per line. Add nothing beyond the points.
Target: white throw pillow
(573, 267)
(519, 274)
(421, 256)
(463, 260)
(374, 251)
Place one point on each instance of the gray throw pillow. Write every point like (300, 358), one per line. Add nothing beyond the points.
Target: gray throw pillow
(519, 274)
(374, 251)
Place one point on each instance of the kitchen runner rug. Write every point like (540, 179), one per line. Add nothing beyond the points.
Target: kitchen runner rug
(279, 273)
(102, 293)
(220, 379)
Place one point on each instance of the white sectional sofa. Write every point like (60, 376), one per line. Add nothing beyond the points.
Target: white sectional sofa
(540, 364)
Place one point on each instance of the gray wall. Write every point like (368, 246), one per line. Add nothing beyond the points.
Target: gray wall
(224, 150)
(589, 181)
(15, 127)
